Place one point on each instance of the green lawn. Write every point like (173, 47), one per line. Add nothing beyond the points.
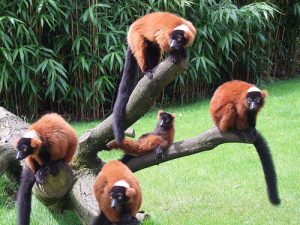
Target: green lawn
(223, 186)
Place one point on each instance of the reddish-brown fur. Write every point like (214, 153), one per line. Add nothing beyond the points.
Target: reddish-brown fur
(57, 134)
(147, 142)
(142, 146)
(112, 172)
(228, 106)
(168, 135)
(156, 28)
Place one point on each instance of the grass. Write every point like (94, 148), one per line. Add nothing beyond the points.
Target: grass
(223, 186)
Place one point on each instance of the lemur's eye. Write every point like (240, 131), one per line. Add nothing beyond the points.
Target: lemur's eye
(25, 148)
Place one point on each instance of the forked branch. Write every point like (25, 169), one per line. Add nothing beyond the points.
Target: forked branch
(141, 100)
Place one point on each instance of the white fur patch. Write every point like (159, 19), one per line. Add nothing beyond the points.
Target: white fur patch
(253, 89)
(31, 134)
(182, 27)
(121, 183)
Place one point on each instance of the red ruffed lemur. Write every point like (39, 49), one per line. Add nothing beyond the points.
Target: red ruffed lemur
(118, 194)
(47, 142)
(158, 140)
(234, 106)
(148, 37)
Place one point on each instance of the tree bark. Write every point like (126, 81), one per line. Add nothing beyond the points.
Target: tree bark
(11, 127)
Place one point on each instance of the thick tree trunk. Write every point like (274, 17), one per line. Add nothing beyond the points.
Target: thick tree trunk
(11, 127)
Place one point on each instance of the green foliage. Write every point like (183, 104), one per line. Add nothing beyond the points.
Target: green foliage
(7, 192)
(68, 56)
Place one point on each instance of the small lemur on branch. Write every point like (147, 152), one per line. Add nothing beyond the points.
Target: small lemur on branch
(118, 194)
(148, 37)
(234, 107)
(47, 142)
(158, 140)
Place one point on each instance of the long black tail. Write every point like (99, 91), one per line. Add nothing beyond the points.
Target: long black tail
(24, 196)
(265, 156)
(101, 220)
(127, 84)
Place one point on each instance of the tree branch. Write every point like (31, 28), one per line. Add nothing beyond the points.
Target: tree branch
(55, 188)
(205, 141)
(142, 98)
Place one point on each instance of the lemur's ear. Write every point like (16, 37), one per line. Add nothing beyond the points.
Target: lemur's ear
(264, 93)
(160, 112)
(130, 192)
(35, 143)
(174, 115)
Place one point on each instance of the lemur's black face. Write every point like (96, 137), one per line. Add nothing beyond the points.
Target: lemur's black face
(117, 197)
(166, 120)
(24, 148)
(177, 39)
(254, 100)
